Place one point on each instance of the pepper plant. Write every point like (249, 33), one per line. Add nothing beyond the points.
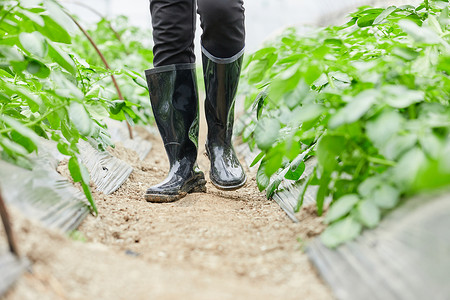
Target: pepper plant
(49, 90)
(369, 99)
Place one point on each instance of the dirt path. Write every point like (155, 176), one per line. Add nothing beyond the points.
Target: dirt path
(218, 245)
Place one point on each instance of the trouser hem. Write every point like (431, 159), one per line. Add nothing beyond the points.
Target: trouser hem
(172, 67)
(219, 60)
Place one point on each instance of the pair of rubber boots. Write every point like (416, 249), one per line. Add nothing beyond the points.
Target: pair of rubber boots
(174, 100)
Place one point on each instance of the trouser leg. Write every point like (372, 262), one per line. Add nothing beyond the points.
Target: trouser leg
(223, 43)
(223, 25)
(173, 23)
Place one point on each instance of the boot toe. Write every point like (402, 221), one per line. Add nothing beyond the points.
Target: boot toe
(176, 188)
(228, 179)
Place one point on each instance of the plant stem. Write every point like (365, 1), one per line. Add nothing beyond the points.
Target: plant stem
(130, 132)
(8, 229)
(116, 34)
(381, 161)
(330, 81)
(412, 112)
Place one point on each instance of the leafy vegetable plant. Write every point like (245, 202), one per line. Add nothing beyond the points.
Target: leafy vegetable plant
(49, 89)
(369, 99)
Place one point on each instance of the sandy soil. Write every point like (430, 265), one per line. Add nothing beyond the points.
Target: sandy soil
(214, 245)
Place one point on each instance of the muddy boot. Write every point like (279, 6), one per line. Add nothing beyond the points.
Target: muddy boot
(174, 100)
(221, 82)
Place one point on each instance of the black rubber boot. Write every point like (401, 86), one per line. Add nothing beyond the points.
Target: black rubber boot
(221, 82)
(174, 100)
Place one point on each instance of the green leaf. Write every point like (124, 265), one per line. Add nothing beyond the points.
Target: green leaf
(405, 53)
(74, 168)
(34, 43)
(58, 15)
(257, 158)
(368, 213)
(272, 188)
(262, 180)
(20, 128)
(266, 133)
(340, 232)
(61, 57)
(88, 193)
(328, 149)
(37, 68)
(65, 88)
(12, 147)
(63, 148)
(381, 17)
(85, 177)
(11, 53)
(312, 73)
(355, 109)
(398, 144)
(431, 144)
(341, 207)
(295, 173)
(80, 118)
(54, 31)
(366, 20)
(386, 196)
(307, 113)
(434, 25)
(399, 96)
(79, 173)
(419, 34)
(368, 186)
(272, 161)
(322, 192)
(444, 17)
(36, 18)
(434, 175)
(34, 102)
(24, 141)
(381, 129)
(405, 172)
(97, 110)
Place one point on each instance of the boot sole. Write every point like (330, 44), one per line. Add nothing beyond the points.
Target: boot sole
(197, 186)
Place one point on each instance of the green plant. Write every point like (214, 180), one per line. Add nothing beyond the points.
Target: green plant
(369, 99)
(48, 90)
(128, 50)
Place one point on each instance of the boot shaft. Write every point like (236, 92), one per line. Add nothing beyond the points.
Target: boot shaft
(221, 83)
(174, 100)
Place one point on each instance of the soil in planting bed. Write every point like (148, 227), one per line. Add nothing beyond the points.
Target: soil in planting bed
(214, 245)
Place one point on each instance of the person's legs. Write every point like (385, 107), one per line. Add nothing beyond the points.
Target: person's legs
(223, 24)
(173, 23)
(174, 98)
(223, 41)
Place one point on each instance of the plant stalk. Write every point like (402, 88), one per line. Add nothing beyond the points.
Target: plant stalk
(116, 34)
(130, 132)
(8, 229)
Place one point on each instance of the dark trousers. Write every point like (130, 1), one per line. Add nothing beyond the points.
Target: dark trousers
(173, 22)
